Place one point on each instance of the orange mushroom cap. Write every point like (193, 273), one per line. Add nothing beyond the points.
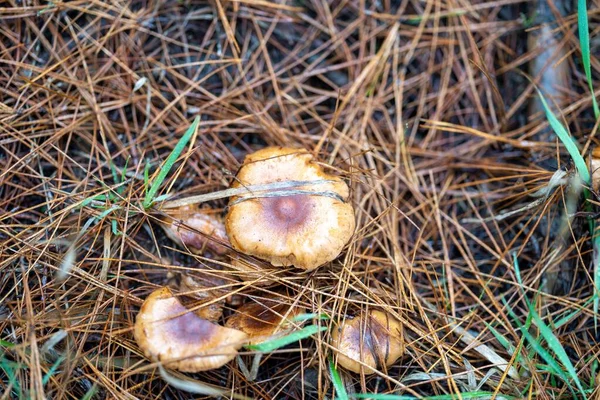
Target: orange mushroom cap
(594, 162)
(196, 230)
(200, 286)
(168, 332)
(375, 339)
(262, 320)
(305, 230)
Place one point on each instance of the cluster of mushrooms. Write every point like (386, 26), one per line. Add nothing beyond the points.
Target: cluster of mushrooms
(305, 223)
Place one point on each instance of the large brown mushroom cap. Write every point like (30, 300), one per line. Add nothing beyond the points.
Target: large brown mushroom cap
(196, 230)
(262, 320)
(303, 230)
(374, 339)
(166, 331)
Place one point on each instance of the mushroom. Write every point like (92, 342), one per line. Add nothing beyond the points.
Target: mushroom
(196, 230)
(374, 339)
(200, 286)
(261, 321)
(305, 228)
(167, 331)
(594, 162)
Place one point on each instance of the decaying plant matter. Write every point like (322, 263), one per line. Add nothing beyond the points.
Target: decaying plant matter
(472, 226)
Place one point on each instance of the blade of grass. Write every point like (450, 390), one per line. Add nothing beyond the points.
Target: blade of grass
(90, 393)
(52, 370)
(113, 171)
(565, 319)
(465, 395)
(9, 371)
(4, 343)
(557, 348)
(271, 345)
(164, 170)
(553, 367)
(567, 140)
(505, 343)
(338, 385)
(147, 177)
(308, 316)
(596, 264)
(584, 42)
(244, 190)
(584, 173)
(551, 339)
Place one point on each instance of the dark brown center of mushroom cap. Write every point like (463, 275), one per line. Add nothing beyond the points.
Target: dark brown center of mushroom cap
(187, 328)
(287, 212)
(269, 317)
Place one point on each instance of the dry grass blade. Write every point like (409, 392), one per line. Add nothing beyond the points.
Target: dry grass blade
(256, 190)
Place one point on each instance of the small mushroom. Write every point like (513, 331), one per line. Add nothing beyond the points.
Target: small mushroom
(200, 287)
(301, 229)
(594, 162)
(263, 320)
(167, 331)
(374, 339)
(196, 230)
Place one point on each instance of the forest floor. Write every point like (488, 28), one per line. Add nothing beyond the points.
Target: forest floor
(474, 205)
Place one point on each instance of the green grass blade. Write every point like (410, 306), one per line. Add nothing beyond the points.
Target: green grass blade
(89, 395)
(582, 168)
(340, 389)
(309, 316)
(147, 177)
(594, 372)
(100, 217)
(505, 343)
(465, 395)
(596, 264)
(568, 317)
(568, 141)
(164, 170)
(52, 370)
(383, 396)
(553, 366)
(584, 42)
(113, 171)
(557, 348)
(550, 339)
(271, 345)
(9, 371)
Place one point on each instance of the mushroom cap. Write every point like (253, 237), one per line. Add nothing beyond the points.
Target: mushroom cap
(200, 286)
(374, 339)
(262, 320)
(168, 332)
(594, 162)
(303, 230)
(191, 228)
